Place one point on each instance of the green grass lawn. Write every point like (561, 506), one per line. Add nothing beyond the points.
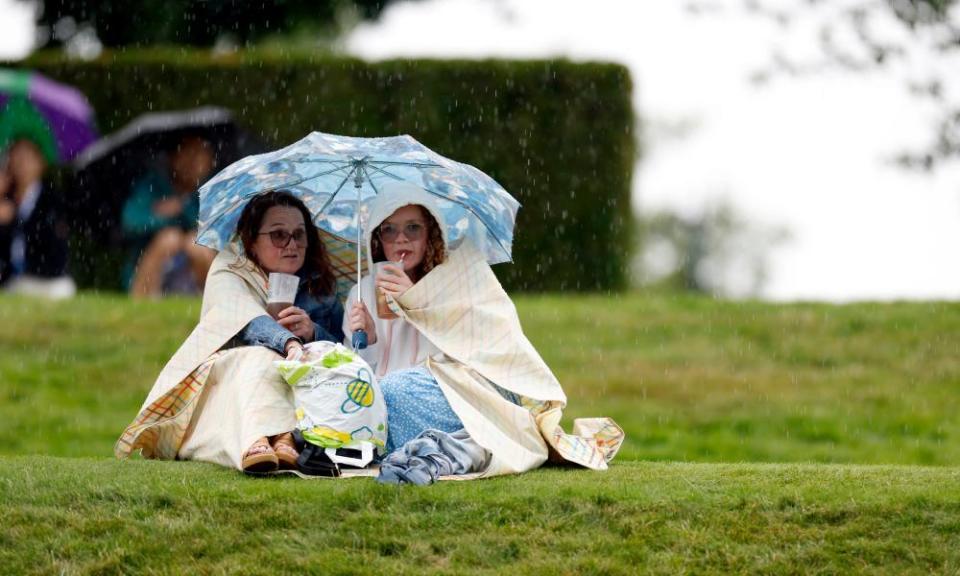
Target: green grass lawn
(713, 390)
(689, 379)
(97, 516)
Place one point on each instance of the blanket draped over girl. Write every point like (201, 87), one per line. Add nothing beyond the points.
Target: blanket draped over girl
(462, 309)
(459, 305)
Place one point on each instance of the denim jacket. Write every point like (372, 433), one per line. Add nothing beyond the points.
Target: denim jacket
(327, 316)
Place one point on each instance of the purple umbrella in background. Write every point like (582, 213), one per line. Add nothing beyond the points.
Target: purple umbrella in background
(55, 116)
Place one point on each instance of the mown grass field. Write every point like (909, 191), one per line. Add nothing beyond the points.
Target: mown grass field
(760, 438)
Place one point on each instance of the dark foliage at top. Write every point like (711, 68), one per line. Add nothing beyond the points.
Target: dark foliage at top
(199, 22)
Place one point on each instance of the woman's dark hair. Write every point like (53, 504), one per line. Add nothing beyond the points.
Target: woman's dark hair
(435, 253)
(316, 270)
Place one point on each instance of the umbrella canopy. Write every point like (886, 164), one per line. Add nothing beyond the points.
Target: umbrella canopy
(336, 176)
(56, 117)
(107, 171)
(156, 132)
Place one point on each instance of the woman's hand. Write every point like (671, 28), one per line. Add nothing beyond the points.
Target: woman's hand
(294, 350)
(297, 321)
(395, 282)
(8, 211)
(360, 319)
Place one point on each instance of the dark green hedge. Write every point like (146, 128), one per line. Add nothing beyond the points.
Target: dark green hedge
(558, 135)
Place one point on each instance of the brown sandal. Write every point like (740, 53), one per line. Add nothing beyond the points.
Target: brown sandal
(260, 458)
(286, 451)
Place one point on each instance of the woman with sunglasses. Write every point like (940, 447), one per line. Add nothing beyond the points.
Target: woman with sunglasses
(220, 399)
(278, 236)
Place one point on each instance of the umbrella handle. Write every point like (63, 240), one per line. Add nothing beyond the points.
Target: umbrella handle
(359, 340)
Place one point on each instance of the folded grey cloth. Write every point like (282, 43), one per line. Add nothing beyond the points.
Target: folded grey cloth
(430, 455)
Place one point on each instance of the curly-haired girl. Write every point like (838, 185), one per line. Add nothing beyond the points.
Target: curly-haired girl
(403, 228)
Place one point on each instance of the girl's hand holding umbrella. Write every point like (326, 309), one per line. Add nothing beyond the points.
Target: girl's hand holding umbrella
(360, 319)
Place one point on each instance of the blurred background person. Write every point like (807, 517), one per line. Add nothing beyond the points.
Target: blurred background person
(159, 221)
(33, 234)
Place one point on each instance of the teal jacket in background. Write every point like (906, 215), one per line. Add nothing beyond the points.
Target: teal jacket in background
(140, 224)
(138, 219)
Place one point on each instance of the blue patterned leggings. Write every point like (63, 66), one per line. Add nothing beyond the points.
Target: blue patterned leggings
(415, 403)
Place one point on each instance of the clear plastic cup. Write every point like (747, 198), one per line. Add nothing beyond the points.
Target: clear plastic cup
(383, 310)
(281, 292)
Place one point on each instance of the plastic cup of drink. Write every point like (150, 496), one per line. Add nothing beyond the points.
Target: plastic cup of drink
(281, 292)
(383, 310)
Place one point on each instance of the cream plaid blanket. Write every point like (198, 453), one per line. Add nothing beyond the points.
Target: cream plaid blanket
(234, 295)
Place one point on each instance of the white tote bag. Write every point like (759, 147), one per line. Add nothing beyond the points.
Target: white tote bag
(338, 400)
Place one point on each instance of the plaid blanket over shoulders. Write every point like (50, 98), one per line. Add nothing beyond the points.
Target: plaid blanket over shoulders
(235, 294)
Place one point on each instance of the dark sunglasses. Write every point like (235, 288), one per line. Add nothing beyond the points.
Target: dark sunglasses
(281, 238)
(411, 231)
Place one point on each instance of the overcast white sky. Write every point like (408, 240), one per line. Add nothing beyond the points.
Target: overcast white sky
(808, 154)
(16, 29)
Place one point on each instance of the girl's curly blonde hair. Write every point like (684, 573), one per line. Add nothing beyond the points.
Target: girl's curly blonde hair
(436, 251)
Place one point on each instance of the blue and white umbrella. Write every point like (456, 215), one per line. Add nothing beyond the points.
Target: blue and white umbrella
(335, 176)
